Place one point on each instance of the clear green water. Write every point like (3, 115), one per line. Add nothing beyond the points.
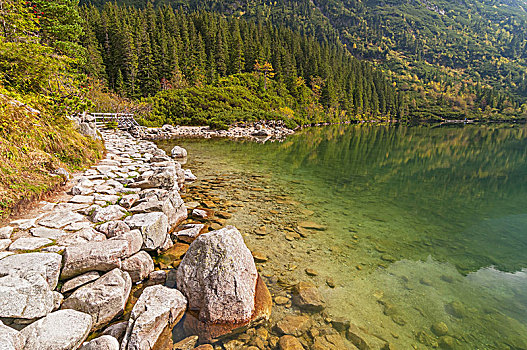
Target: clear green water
(430, 221)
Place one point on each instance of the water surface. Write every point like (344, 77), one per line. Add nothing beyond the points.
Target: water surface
(424, 224)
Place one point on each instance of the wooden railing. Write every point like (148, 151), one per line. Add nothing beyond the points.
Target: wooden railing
(123, 120)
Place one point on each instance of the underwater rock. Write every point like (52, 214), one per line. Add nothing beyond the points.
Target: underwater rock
(440, 328)
(306, 297)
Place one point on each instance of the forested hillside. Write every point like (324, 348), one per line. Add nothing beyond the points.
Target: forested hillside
(214, 65)
(40, 85)
(453, 59)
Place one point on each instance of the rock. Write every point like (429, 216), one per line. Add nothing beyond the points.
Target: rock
(200, 213)
(186, 344)
(138, 266)
(281, 300)
(456, 309)
(204, 347)
(329, 342)
(310, 225)
(10, 339)
(311, 272)
(94, 256)
(189, 233)
(157, 308)
(80, 199)
(45, 264)
(440, 328)
(160, 177)
(6, 232)
(60, 330)
(288, 342)
(306, 297)
(340, 324)
(134, 239)
(111, 212)
(388, 258)
(5, 243)
(219, 297)
(113, 228)
(172, 256)
(116, 330)
(29, 243)
(259, 257)
(189, 176)
(330, 282)
(79, 281)
(157, 277)
(105, 342)
(293, 325)
(59, 219)
(357, 337)
(103, 299)
(81, 237)
(153, 227)
(175, 210)
(221, 288)
(178, 152)
(28, 296)
(128, 200)
(447, 342)
(44, 232)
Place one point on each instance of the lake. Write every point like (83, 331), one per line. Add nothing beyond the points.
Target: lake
(422, 225)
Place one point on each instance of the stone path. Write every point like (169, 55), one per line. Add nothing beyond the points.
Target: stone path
(69, 270)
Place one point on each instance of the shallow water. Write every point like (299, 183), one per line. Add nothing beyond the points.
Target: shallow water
(424, 225)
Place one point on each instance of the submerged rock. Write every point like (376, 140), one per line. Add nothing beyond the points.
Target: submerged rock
(288, 342)
(306, 297)
(157, 308)
(60, 330)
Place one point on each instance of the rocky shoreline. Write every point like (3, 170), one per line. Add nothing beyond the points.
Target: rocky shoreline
(122, 260)
(260, 131)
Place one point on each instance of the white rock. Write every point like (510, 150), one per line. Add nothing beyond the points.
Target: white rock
(10, 339)
(153, 227)
(5, 232)
(189, 176)
(79, 281)
(218, 276)
(178, 152)
(189, 232)
(157, 308)
(80, 199)
(93, 256)
(60, 330)
(45, 264)
(59, 219)
(103, 299)
(29, 243)
(80, 237)
(111, 212)
(5, 243)
(45, 232)
(199, 213)
(139, 266)
(26, 297)
(105, 342)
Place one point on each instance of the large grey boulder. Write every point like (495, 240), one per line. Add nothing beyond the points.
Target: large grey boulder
(153, 227)
(10, 339)
(218, 276)
(103, 299)
(60, 330)
(80, 237)
(105, 342)
(138, 266)
(27, 296)
(45, 264)
(156, 308)
(94, 256)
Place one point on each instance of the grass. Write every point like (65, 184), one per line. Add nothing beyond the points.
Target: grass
(32, 147)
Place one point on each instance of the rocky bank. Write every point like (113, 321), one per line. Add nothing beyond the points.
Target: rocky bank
(98, 265)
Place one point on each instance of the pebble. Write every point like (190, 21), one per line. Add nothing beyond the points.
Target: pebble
(311, 272)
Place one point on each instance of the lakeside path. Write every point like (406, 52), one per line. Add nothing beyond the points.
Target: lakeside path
(89, 262)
